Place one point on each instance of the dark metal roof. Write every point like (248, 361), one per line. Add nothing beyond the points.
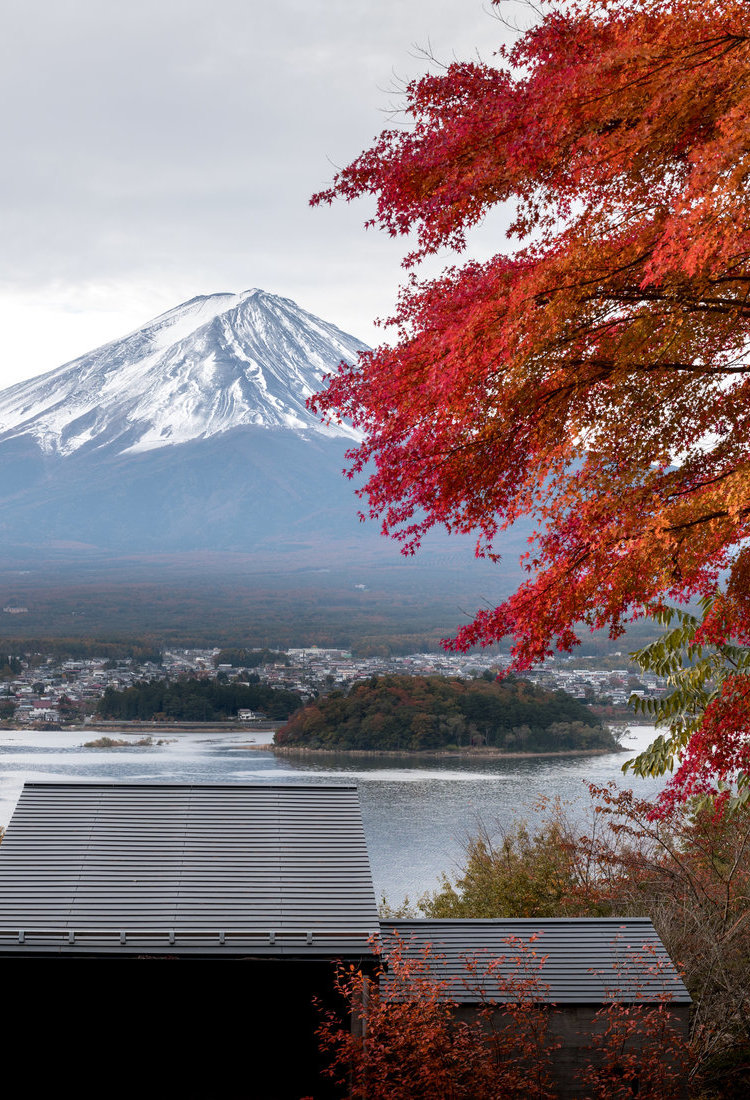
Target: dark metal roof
(186, 869)
(577, 960)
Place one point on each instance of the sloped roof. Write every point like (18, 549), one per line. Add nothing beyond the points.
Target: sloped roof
(186, 869)
(570, 960)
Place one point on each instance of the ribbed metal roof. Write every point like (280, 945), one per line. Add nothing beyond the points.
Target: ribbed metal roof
(572, 960)
(186, 869)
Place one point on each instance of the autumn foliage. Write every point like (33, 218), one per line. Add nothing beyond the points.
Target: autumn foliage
(721, 746)
(594, 375)
(411, 1043)
(413, 713)
(690, 875)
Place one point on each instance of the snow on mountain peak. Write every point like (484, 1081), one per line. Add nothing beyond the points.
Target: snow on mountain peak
(214, 363)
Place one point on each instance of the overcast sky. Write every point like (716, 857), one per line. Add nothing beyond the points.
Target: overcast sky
(158, 149)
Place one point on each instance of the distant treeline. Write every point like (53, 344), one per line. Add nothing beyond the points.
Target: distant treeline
(78, 649)
(430, 712)
(112, 612)
(232, 612)
(195, 701)
(250, 658)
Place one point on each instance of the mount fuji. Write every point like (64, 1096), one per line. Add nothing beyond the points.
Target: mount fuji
(175, 480)
(191, 433)
(210, 365)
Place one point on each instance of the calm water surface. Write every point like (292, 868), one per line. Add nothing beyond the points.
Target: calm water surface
(417, 817)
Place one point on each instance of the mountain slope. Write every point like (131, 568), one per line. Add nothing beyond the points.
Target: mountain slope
(189, 434)
(213, 364)
(192, 435)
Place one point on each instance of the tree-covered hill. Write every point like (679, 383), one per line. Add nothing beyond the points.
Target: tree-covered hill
(430, 712)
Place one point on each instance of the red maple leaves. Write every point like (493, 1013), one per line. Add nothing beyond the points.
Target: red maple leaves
(718, 752)
(594, 376)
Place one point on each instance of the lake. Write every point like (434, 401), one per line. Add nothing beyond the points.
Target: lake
(417, 814)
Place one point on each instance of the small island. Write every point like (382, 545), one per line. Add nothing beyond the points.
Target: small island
(436, 713)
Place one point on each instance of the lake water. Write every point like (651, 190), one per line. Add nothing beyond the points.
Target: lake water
(417, 815)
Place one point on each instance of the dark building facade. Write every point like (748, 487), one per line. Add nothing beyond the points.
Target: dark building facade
(273, 877)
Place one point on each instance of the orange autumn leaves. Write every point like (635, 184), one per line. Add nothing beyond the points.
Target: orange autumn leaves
(410, 1042)
(592, 377)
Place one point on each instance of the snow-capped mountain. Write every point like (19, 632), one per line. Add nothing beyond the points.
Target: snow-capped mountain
(185, 450)
(209, 366)
(191, 433)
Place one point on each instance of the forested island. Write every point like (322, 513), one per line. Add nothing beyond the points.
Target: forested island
(418, 713)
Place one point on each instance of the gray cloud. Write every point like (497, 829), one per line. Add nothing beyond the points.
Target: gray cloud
(176, 144)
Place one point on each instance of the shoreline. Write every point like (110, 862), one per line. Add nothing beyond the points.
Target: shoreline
(437, 754)
(146, 727)
(179, 727)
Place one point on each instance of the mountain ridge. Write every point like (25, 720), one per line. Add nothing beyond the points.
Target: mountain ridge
(190, 433)
(88, 474)
(211, 364)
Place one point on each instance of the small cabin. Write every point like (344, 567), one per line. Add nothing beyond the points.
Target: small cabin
(571, 967)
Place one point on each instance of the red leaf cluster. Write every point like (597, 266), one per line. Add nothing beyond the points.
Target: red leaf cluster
(717, 752)
(593, 376)
(411, 1043)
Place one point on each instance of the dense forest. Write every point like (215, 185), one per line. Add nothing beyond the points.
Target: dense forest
(147, 605)
(205, 609)
(195, 701)
(431, 712)
(80, 649)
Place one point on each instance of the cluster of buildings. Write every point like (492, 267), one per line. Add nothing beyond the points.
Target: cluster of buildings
(593, 684)
(56, 690)
(328, 669)
(50, 690)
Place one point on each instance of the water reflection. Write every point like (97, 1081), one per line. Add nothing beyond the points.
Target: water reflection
(417, 816)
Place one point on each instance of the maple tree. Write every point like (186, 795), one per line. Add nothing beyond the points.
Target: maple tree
(706, 711)
(593, 376)
(412, 1045)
